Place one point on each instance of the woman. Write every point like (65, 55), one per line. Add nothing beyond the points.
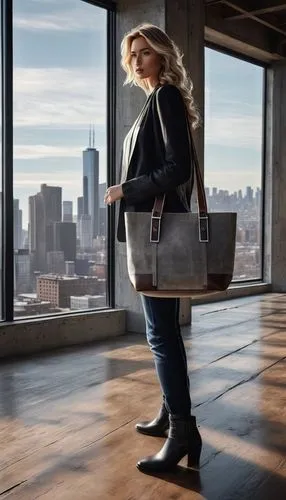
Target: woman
(156, 159)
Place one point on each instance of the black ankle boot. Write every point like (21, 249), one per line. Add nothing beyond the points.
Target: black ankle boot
(183, 439)
(157, 427)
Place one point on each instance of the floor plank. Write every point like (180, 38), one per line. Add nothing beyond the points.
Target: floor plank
(67, 418)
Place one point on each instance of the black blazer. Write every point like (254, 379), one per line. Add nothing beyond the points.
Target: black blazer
(157, 156)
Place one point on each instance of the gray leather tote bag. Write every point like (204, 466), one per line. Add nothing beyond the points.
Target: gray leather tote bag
(180, 254)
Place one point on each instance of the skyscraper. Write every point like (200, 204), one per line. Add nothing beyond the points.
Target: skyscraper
(249, 194)
(44, 209)
(79, 214)
(22, 262)
(101, 191)
(85, 231)
(64, 239)
(67, 211)
(55, 262)
(17, 226)
(91, 186)
(79, 207)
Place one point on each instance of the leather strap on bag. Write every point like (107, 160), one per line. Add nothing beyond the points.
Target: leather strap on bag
(155, 230)
(156, 218)
(201, 195)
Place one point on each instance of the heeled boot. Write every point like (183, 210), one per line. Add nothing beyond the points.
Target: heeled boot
(183, 439)
(157, 427)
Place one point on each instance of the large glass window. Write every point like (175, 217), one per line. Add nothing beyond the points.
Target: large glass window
(1, 229)
(234, 107)
(60, 164)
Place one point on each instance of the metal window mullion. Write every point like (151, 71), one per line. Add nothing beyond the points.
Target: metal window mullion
(7, 257)
(111, 173)
(263, 175)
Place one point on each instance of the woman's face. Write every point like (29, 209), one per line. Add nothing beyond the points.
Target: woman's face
(146, 63)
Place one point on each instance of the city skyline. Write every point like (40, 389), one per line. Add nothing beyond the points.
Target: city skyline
(60, 260)
(103, 185)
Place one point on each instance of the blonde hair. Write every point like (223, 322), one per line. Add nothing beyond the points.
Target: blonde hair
(172, 71)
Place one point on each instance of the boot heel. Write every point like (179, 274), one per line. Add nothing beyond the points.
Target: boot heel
(194, 458)
(193, 463)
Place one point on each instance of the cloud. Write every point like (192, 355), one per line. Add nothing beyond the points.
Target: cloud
(234, 130)
(38, 151)
(63, 155)
(62, 161)
(34, 180)
(49, 2)
(59, 98)
(233, 118)
(76, 19)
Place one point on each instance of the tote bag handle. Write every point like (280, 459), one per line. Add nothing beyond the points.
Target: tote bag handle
(159, 202)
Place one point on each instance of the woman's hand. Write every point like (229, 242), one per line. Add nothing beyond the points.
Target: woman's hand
(113, 193)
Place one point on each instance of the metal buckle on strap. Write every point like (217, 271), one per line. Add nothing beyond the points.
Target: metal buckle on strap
(203, 228)
(155, 229)
(156, 218)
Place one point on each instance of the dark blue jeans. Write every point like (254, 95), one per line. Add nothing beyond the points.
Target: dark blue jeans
(166, 343)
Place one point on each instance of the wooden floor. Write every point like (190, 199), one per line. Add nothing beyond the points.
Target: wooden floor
(67, 418)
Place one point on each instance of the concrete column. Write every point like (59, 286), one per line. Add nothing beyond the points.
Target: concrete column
(183, 20)
(278, 199)
(129, 103)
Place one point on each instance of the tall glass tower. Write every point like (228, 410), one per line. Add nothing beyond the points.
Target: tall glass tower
(44, 209)
(91, 186)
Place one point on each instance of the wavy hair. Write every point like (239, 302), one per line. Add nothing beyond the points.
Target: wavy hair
(172, 71)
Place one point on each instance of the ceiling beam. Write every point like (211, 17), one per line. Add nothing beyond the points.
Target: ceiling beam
(253, 17)
(266, 10)
(255, 36)
(229, 42)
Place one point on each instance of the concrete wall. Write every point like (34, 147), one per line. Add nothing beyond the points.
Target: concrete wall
(184, 22)
(36, 335)
(278, 181)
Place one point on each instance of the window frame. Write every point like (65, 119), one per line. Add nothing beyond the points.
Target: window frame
(7, 256)
(265, 66)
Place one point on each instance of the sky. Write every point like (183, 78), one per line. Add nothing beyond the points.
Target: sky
(233, 122)
(60, 89)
